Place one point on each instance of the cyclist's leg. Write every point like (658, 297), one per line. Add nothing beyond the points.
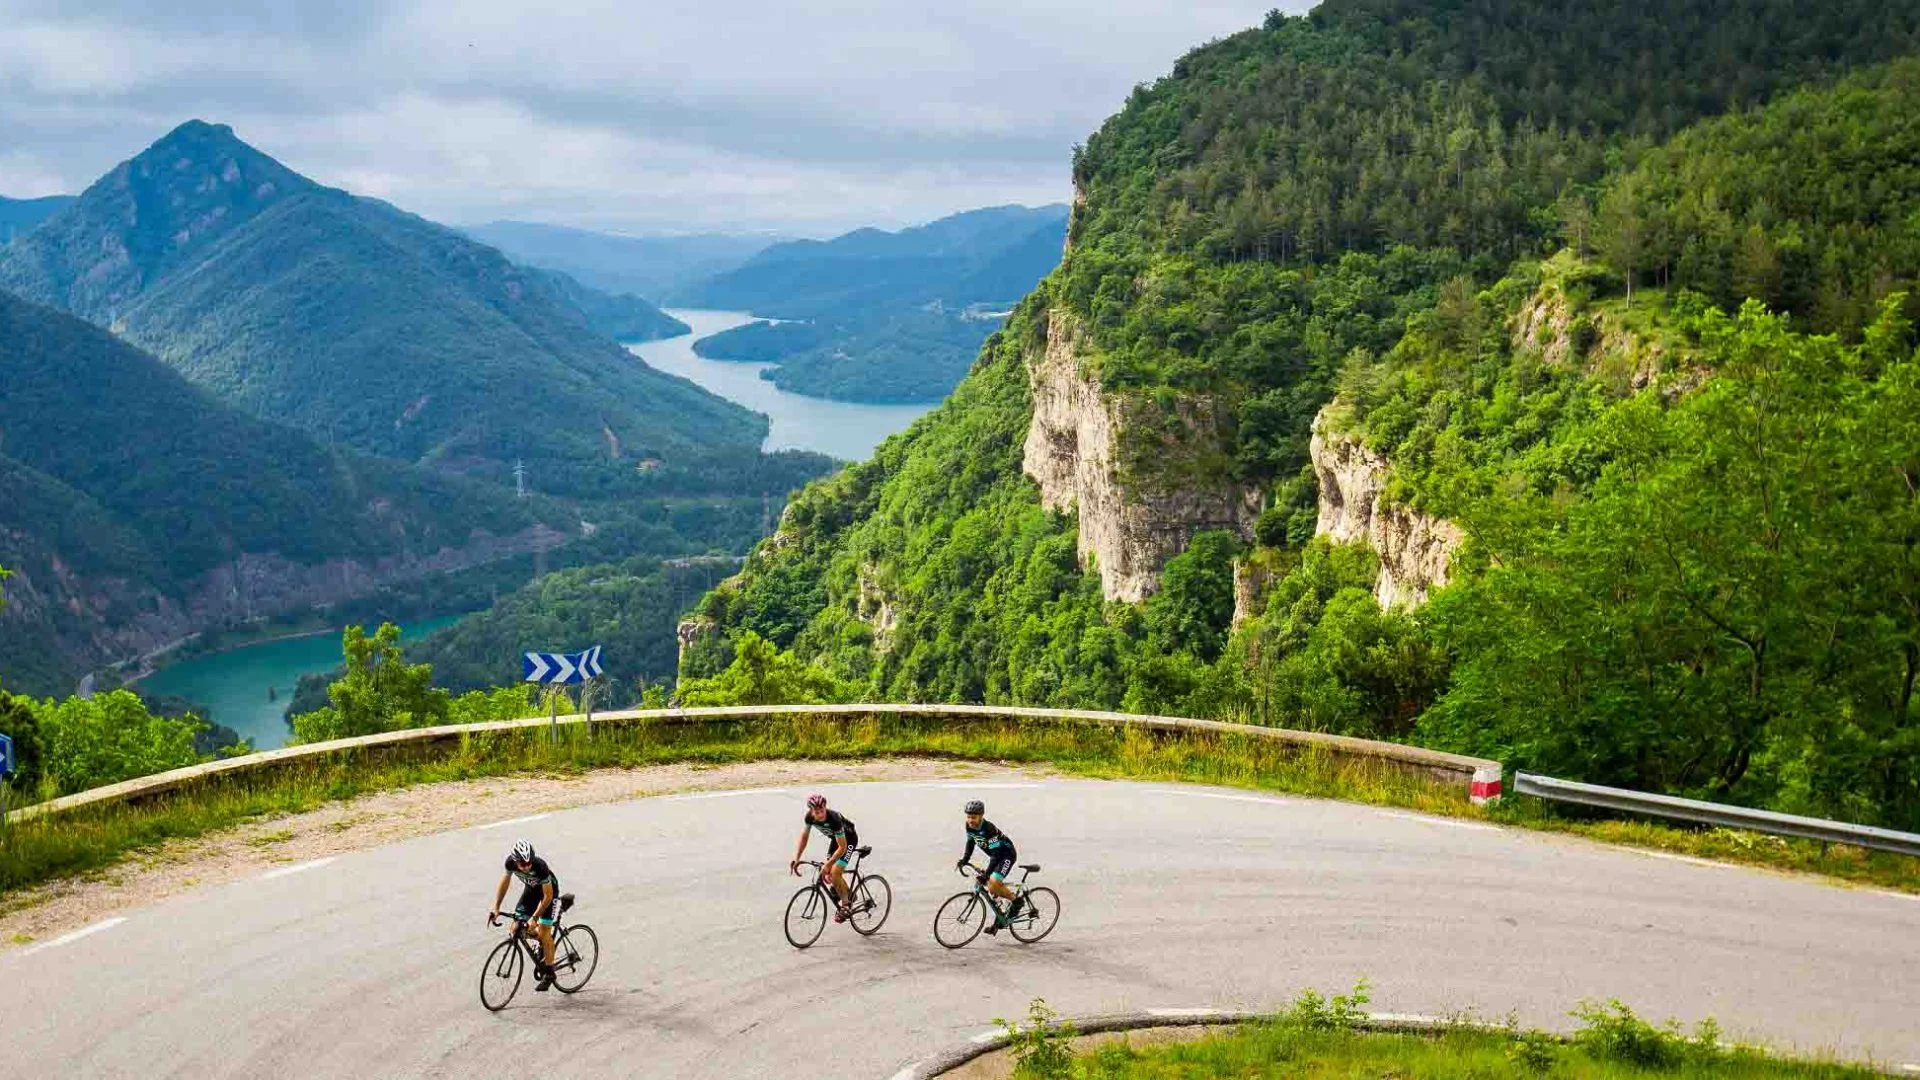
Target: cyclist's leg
(997, 872)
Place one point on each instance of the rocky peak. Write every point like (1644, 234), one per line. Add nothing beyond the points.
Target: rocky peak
(164, 205)
(1074, 452)
(1415, 549)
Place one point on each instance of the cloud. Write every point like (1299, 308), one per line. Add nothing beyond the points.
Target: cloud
(745, 114)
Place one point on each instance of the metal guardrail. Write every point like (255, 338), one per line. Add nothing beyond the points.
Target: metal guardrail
(1481, 778)
(1707, 813)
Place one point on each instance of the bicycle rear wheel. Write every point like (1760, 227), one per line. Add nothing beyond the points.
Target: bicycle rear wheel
(1037, 916)
(806, 917)
(500, 979)
(872, 902)
(575, 956)
(960, 919)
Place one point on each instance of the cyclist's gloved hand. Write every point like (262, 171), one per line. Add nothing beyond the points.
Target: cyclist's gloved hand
(961, 865)
(794, 868)
(493, 918)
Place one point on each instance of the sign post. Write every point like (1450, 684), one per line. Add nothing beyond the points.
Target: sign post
(6, 775)
(562, 669)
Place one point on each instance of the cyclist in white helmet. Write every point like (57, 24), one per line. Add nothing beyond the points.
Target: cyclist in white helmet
(539, 904)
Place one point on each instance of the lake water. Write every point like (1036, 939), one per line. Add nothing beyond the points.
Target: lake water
(233, 685)
(844, 429)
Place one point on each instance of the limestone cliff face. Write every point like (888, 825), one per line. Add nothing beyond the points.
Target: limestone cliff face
(1074, 451)
(1415, 549)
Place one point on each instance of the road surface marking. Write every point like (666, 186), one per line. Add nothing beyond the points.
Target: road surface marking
(731, 794)
(1671, 857)
(990, 787)
(297, 868)
(1914, 1069)
(1900, 896)
(987, 1036)
(908, 1073)
(68, 939)
(1405, 1018)
(513, 821)
(1230, 798)
(1430, 820)
(1183, 1012)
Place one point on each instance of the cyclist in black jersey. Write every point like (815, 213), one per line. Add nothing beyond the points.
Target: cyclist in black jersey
(538, 907)
(842, 838)
(998, 848)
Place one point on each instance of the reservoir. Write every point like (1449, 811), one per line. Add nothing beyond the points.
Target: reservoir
(233, 685)
(845, 429)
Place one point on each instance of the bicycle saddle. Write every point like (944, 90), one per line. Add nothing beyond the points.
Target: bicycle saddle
(566, 901)
(863, 852)
(1030, 867)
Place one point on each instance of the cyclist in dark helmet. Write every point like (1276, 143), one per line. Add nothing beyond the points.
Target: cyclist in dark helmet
(998, 848)
(539, 904)
(842, 838)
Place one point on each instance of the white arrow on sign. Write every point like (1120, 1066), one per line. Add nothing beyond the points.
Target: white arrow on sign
(537, 667)
(566, 668)
(592, 665)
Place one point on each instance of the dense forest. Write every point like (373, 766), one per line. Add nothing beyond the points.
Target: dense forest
(1625, 292)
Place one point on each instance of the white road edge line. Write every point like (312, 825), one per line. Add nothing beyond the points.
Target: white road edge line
(908, 1073)
(68, 939)
(1914, 1069)
(513, 821)
(989, 787)
(730, 794)
(1429, 820)
(1416, 1018)
(1671, 857)
(297, 868)
(986, 1036)
(1270, 800)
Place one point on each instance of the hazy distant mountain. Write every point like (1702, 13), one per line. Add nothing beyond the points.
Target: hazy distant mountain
(135, 508)
(622, 317)
(659, 268)
(981, 256)
(19, 216)
(885, 317)
(363, 324)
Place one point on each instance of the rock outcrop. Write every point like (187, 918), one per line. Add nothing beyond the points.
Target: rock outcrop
(1074, 452)
(1415, 549)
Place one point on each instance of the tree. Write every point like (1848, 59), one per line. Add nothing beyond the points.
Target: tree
(763, 675)
(87, 742)
(379, 692)
(18, 723)
(1622, 228)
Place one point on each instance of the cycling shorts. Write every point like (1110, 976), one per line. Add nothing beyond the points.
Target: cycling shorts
(1000, 864)
(530, 899)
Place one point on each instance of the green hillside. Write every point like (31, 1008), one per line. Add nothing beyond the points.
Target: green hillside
(121, 485)
(1358, 203)
(622, 316)
(18, 217)
(897, 355)
(363, 325)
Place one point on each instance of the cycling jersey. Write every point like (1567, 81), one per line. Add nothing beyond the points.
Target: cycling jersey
(833, 828)
(990, 839)
(536, 877)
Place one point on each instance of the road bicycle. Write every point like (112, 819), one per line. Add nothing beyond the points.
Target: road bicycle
(869, 902)
(965, 914)
(576, 952)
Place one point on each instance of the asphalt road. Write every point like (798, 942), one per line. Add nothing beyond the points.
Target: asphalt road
(1173, 897)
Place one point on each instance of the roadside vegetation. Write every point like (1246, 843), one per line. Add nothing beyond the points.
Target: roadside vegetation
(1321, 1037)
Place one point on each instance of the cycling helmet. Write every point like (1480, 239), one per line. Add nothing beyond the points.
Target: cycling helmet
(523, 852)
(975, 806)
(816, 802)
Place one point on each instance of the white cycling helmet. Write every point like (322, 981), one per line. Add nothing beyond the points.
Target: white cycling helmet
(523, 852)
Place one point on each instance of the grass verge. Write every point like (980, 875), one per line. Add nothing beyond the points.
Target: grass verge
(1325, 1038)
(89, 840)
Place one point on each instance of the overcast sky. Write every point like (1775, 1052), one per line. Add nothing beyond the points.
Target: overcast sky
(672, 115)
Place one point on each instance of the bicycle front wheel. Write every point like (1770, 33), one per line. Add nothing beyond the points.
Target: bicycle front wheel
(960, 919)
(806, 917)
(575, 956)
(872, 902)
(1037, 916)
(500, 979)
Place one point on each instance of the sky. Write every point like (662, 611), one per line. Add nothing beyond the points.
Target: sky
(667, 116)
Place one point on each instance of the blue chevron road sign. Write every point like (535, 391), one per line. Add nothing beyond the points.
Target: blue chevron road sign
(6, 756)
(541, 667)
